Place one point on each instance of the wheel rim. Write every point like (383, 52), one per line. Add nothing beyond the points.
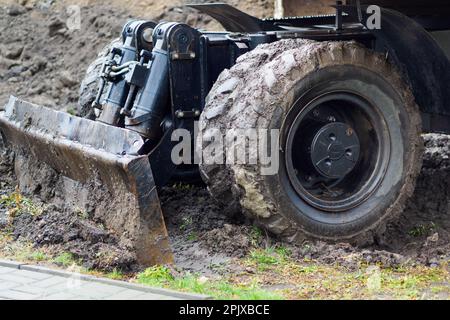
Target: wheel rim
(337, 150)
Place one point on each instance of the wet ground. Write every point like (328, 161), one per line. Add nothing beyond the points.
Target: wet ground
(42, 61)
(421, 235)
(203, 239)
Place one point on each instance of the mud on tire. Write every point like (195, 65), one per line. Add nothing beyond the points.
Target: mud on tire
(269, 88)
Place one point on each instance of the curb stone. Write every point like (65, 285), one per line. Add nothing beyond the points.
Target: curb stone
(10, 264)
(122, 284)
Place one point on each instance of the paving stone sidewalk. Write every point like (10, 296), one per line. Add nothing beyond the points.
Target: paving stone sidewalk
(28, 282)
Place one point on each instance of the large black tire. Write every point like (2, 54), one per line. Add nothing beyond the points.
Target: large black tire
(273, 84)
(89, 84)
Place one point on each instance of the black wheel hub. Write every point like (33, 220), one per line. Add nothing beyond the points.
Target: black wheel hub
(335, 150)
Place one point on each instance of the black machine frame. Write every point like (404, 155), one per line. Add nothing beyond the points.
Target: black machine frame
(158, 83)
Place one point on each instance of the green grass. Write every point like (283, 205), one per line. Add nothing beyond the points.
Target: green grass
(82, 214)
(264, 259)
(256, 236)
(193, 236)
(182, 186)
(414, 283)
(421, 230)
(186, 223)
(155, 276)
(217, 288)
(38, 256)
(65, 259)
(115, 275)
(72, 111)
(17, 205)
(25, 252)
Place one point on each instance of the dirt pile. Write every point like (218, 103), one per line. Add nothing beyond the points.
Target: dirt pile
(43, 60)
(38, 216)
(6, 180)
(191, 216)
(62, 230)
(423, 230)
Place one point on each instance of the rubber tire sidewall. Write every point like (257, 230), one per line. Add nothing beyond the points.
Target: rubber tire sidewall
(259, 91)
(391, 107)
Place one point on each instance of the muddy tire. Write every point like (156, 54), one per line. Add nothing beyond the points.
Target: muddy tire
(334, 94)
(90, 83)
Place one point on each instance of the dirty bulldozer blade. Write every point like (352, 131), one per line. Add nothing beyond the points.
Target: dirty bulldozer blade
(87, 152)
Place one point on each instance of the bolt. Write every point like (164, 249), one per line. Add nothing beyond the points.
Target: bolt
(183, 38)
(331, 119)
(147, 35)
(180, 114)
(349, 132)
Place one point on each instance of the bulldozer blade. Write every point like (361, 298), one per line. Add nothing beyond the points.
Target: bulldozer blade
(98, 158)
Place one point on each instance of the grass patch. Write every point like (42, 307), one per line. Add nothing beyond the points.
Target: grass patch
(256, 236)
(37, 256)
(310, 280)
(182, 186)
(192, 236)
(65, 259)
(218, 288)
(23, 252)
(116, 274)
(72, 111)
(17, 205)
(155, 276)
(421, 230)
(264, 259)
(82, 214)
(415, 283)
(186, 222)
